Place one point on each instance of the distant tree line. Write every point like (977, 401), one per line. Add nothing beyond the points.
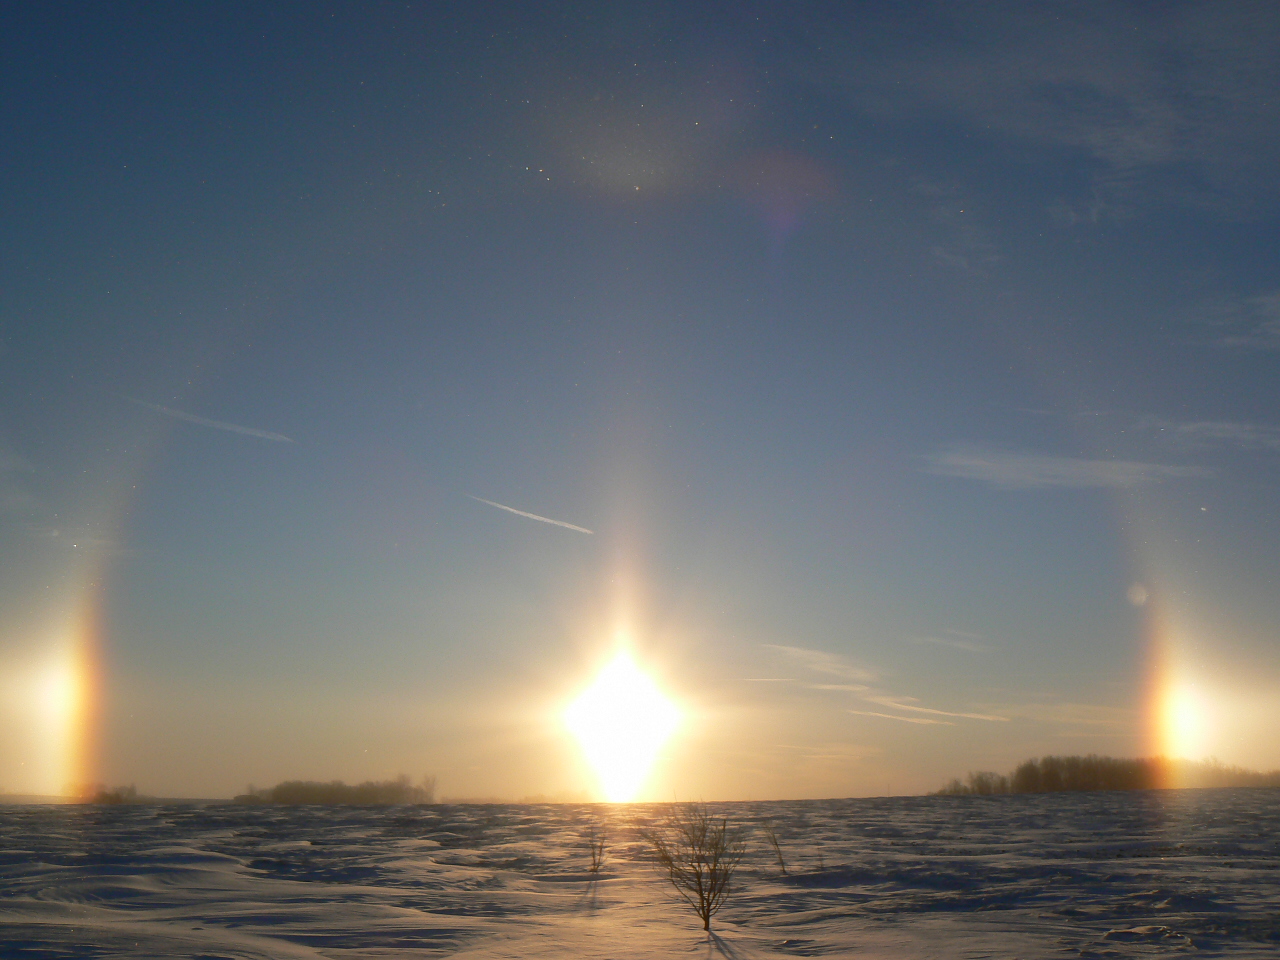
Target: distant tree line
(98, 793)
(369, 793)
(1054, 774)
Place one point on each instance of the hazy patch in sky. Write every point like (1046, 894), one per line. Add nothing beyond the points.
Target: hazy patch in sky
(1013, 470)
(1164, 106)
(965, 642)
(1193, 434)
(1261, 318)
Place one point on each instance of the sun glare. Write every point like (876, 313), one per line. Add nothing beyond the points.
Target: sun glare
(621, 721)
(1185, 723)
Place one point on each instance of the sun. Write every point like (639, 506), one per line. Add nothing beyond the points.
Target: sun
(621, 721)
(1185, 725)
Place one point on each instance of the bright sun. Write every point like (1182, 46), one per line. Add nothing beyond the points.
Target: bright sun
(621, 720)
(1185, 723)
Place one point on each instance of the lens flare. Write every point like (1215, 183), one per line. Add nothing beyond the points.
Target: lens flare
(621, 721)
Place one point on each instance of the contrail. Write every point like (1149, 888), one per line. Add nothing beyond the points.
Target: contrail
(532, 516)
(891, 716)
(898, 703)
(216, 424)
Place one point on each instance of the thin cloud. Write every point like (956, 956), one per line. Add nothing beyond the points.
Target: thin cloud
(1239, 322)
(969, 646)
(891, 716)
(1164, 107)
(215, 424)
(1012, 470)
(532, 516)
(909, 703)
(1265, 336)
(820, 661)
(1186, 436)
(964, 245)
(1207, 433)
(1262, 314)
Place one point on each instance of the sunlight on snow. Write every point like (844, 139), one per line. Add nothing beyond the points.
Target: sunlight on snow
(621, 721)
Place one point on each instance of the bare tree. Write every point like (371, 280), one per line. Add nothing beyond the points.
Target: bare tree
(698, 854)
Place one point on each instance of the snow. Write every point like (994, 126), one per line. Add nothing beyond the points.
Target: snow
(1114, 875)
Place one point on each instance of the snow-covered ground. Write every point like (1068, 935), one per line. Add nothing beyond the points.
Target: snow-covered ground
(1092, 875)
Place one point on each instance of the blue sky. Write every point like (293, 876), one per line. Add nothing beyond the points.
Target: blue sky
(908, 363)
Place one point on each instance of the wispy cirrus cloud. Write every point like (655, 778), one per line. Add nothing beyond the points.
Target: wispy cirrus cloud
(819, 661)
(1204, 434)
(910, 708)
(215, 424)
(1163, 102)
(963, 244)
(912, 704)
(1258, 323)
(956, 639)
(1019, 470)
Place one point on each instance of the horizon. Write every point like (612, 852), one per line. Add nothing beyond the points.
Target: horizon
(1192, 775)
(891, 390)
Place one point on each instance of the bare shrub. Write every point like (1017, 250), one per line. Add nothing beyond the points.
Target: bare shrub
(596, 839)
(771, 834)
(698, 854)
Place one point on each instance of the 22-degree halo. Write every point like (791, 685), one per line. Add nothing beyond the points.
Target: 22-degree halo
(621, 721)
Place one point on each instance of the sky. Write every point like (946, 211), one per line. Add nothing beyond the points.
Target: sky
(902, 380)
